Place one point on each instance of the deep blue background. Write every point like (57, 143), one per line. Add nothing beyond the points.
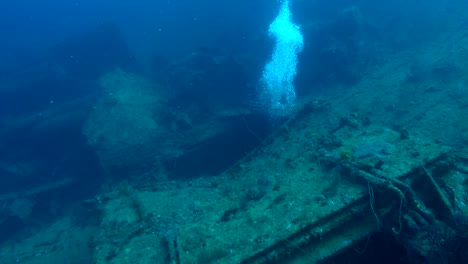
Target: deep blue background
(171, 27)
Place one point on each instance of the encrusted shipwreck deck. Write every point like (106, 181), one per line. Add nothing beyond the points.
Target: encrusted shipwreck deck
(304, 194)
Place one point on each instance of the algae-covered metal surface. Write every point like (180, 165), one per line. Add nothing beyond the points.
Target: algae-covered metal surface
(300, 195)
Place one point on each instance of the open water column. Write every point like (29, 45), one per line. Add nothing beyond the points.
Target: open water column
(277, 95)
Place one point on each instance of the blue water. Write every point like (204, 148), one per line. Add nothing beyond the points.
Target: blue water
(94, 93)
